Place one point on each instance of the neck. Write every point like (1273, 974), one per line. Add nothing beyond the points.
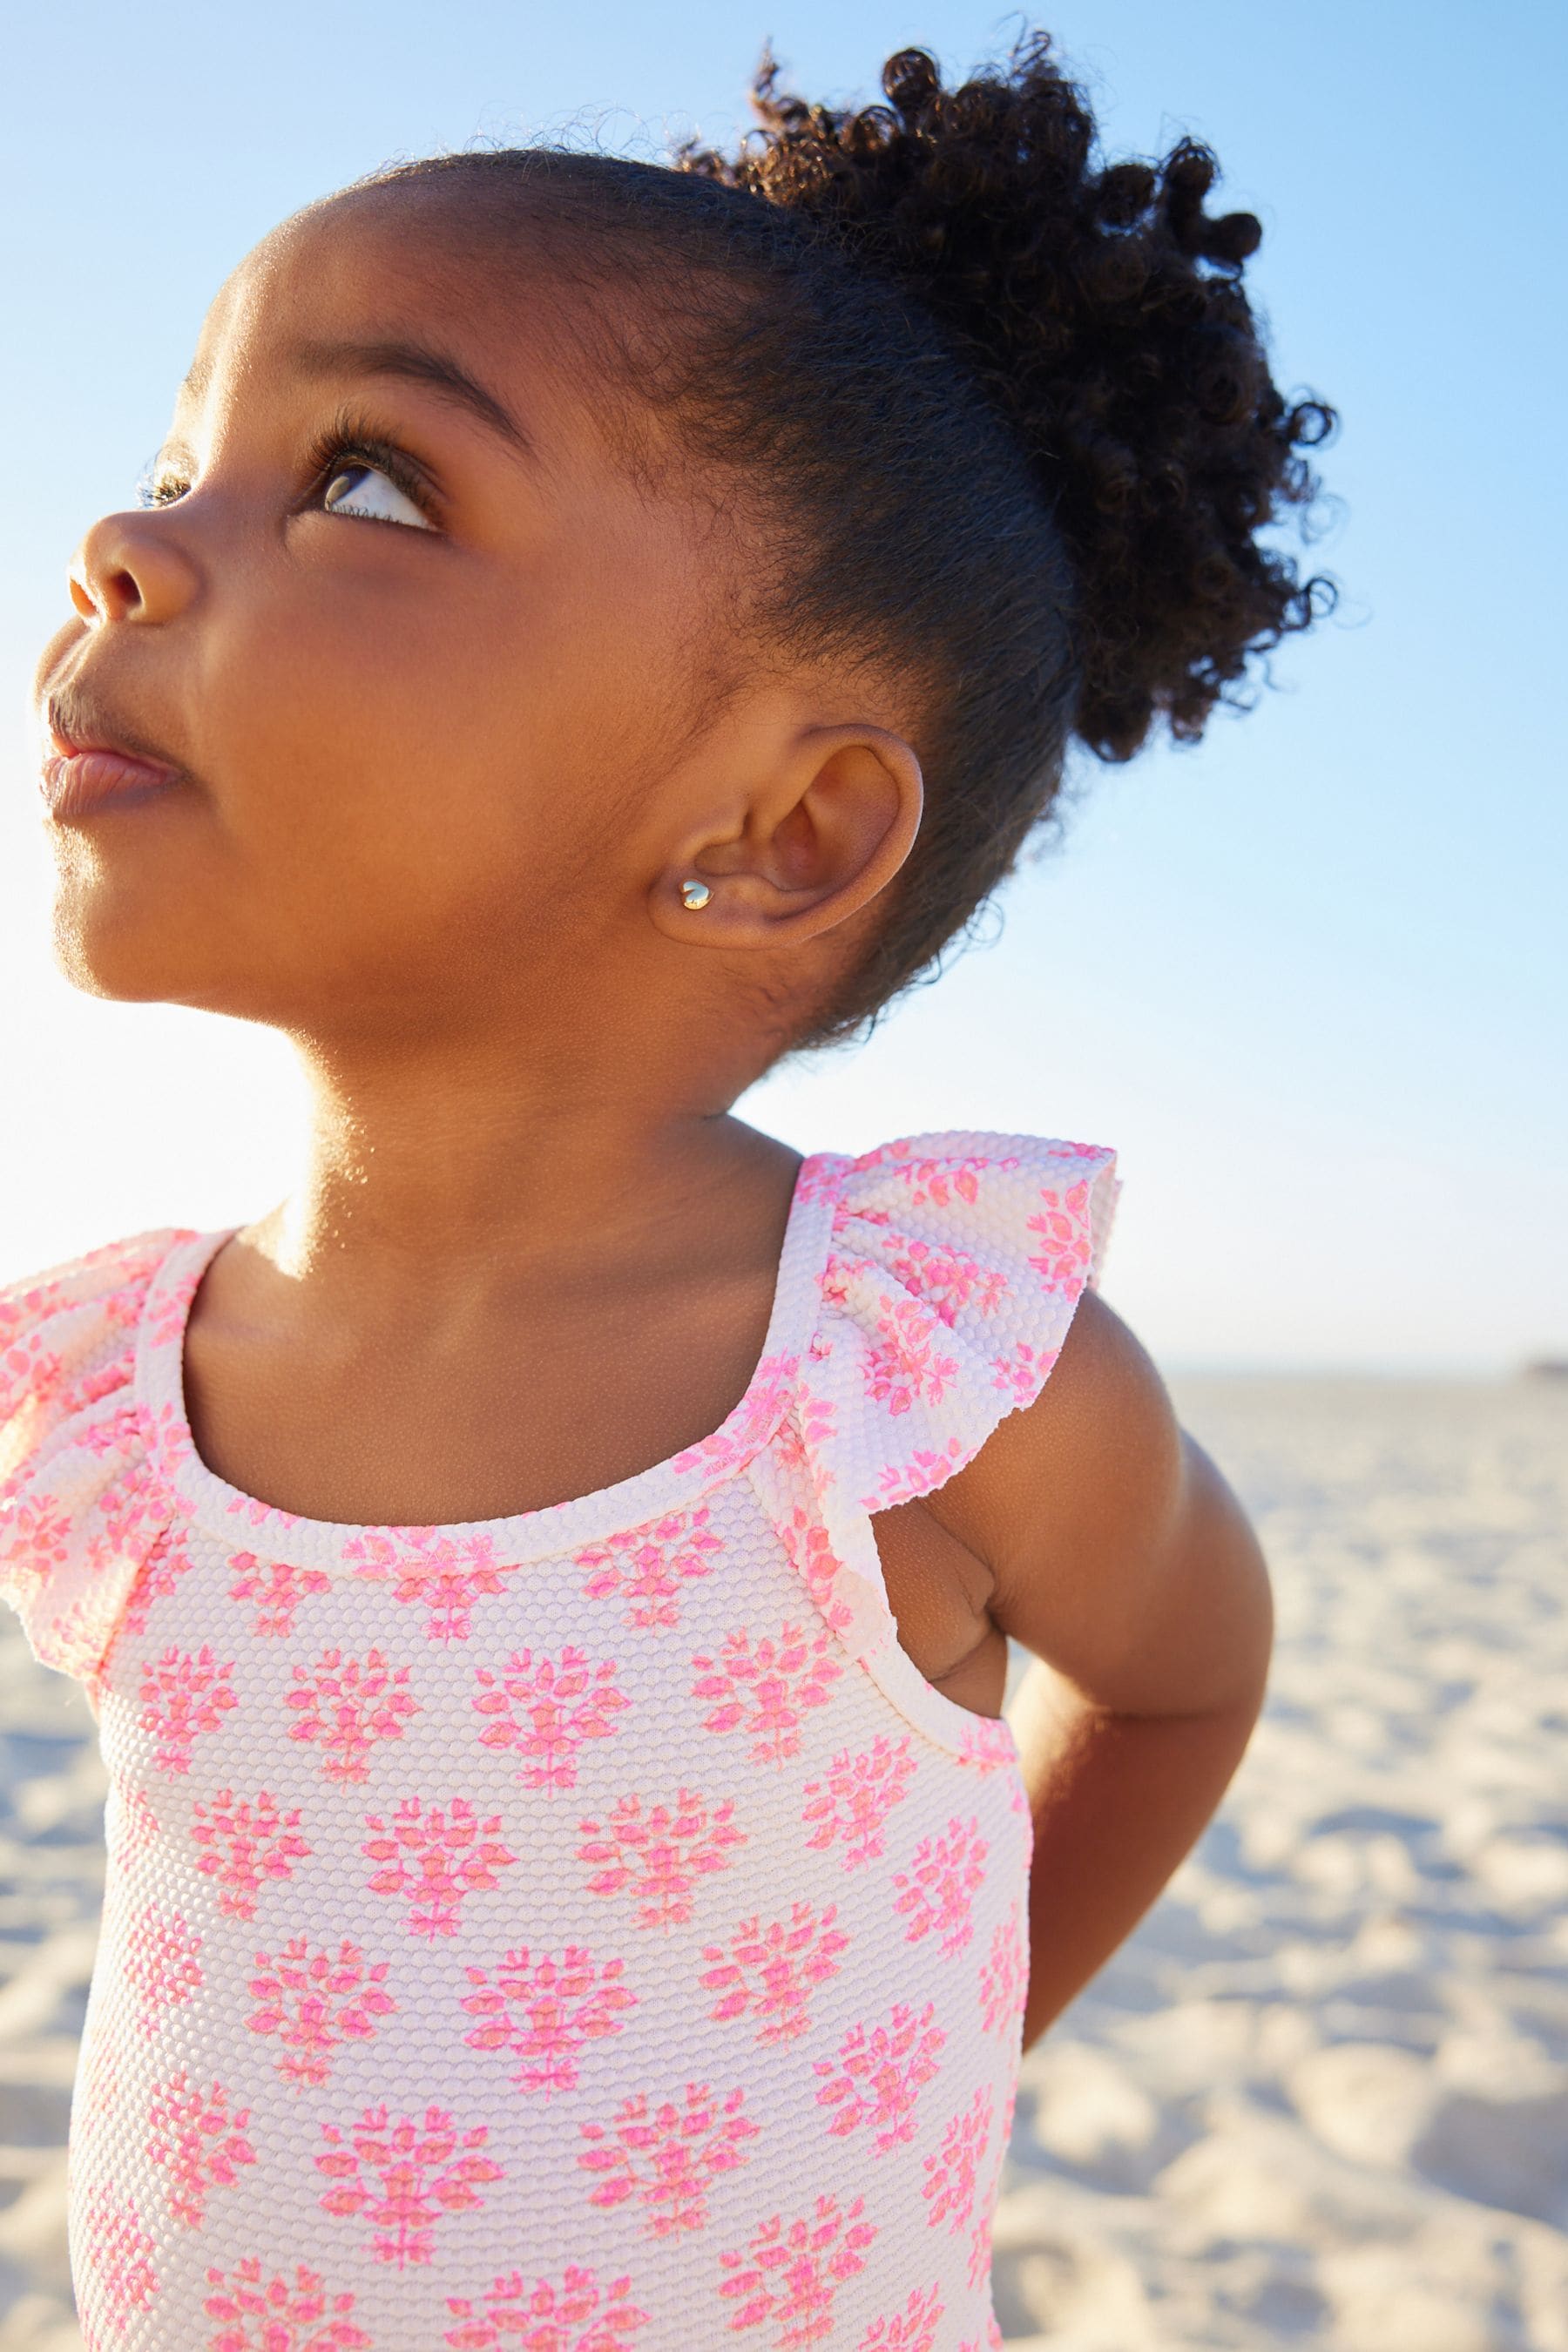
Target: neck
(442, 1175)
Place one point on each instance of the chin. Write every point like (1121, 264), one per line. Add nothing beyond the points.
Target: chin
(125, 937)
(113, 959)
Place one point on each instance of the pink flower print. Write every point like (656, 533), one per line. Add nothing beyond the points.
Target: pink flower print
(245, 1844)
(313, 2001)
(901, 1482)
(1025, 1372)
(854, 1801)
(648, 1566)
(769, 1689)
(201, 2145)
(983, 2216)
(27, 1369)
(1005, 1976)
(821, 1174)
(111, 1430)
(275, 1587)
(182, 1697)
(80, 1635)
(913, 2329)
(164, 1562)
(752, 1422)
(953, 2169)
(377, 1553)
(261, 1515)
(544, 2011)
(541, 2317)
(879, 2073)
(905, 1367)
(41, 1299)
(808, 1424)
(271, 2316)
(137, 1824)
(37, 1538)
(559, 1704)
(437, 1856)
(789, 2276)
(947, 1279)
(811, 1555)
(660, 1857)
(1063, 1257)
(928, 1180)
(770, 1970)
(445, 1574)
(117, 1432)
(789, 1446)
(938, 1888)
(833, 1282)
(985, 1744)
(91, 1388)
(346, 1704)
(166, 1319)
(404, 2177)
(130, 1515)
(118, 2254)
(817, 1416)
(939, 1182)
(667, 2157)
(161, 1965)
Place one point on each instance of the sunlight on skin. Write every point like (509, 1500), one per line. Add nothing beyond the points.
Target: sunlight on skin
(443, 780)
(442, 773)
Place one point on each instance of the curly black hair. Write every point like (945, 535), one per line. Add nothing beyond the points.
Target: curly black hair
(1004, 406)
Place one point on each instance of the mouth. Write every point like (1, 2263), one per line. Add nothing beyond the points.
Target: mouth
(90, 762)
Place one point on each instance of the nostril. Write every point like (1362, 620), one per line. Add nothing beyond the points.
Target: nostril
(82, 600)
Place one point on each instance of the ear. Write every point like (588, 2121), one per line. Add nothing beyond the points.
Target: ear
(804, 853)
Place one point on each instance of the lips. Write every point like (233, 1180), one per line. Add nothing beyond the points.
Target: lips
(90, 762)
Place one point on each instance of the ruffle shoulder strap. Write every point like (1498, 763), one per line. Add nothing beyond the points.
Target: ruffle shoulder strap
(955, 1265)
(953, 1268)
(79, 1510)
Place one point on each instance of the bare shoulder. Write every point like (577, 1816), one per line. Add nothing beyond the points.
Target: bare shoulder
(1114, 1546)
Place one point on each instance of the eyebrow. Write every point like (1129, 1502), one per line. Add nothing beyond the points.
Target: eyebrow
(414, 363)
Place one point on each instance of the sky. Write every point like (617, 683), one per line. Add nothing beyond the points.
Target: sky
(1306, 978)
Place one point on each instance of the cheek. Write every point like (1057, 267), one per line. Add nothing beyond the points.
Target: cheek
(406, 782)
(464, 752)
(397, 799)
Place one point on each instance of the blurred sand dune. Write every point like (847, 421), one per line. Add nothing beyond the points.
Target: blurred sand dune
(1322, 2097)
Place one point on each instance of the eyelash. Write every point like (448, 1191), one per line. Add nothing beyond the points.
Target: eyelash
(347, 438)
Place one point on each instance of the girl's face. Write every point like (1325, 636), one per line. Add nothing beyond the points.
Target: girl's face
(423, 655)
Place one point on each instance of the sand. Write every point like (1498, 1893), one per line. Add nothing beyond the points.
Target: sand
(1322, 2096)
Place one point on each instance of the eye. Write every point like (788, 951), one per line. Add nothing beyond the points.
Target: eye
(349, 469)
(360, 488)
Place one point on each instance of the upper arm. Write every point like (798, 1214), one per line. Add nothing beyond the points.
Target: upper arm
(1117, 1552)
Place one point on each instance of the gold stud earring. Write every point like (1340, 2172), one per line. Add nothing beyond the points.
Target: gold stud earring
(694, 894)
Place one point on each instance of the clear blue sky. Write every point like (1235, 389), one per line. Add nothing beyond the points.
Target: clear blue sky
(1309, 980)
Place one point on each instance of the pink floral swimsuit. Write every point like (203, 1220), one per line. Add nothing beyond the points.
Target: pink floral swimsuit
(580, 1932)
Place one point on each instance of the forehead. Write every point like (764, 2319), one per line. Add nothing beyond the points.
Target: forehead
(396, 266)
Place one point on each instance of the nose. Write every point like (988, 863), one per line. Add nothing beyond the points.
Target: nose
(129, 568)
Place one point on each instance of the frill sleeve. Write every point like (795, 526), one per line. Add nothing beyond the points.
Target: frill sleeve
(954, 1267)
(78, 1508)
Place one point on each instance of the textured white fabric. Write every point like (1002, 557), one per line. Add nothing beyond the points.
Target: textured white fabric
(566, 1933)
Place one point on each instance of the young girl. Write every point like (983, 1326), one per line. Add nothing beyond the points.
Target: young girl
(544, 1589)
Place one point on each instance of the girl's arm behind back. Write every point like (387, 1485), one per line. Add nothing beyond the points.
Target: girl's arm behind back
(1121, 1557)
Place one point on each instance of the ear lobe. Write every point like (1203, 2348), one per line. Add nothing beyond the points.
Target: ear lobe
(820, 841)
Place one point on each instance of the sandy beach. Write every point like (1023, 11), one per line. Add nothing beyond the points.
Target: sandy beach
(1322, 2096)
